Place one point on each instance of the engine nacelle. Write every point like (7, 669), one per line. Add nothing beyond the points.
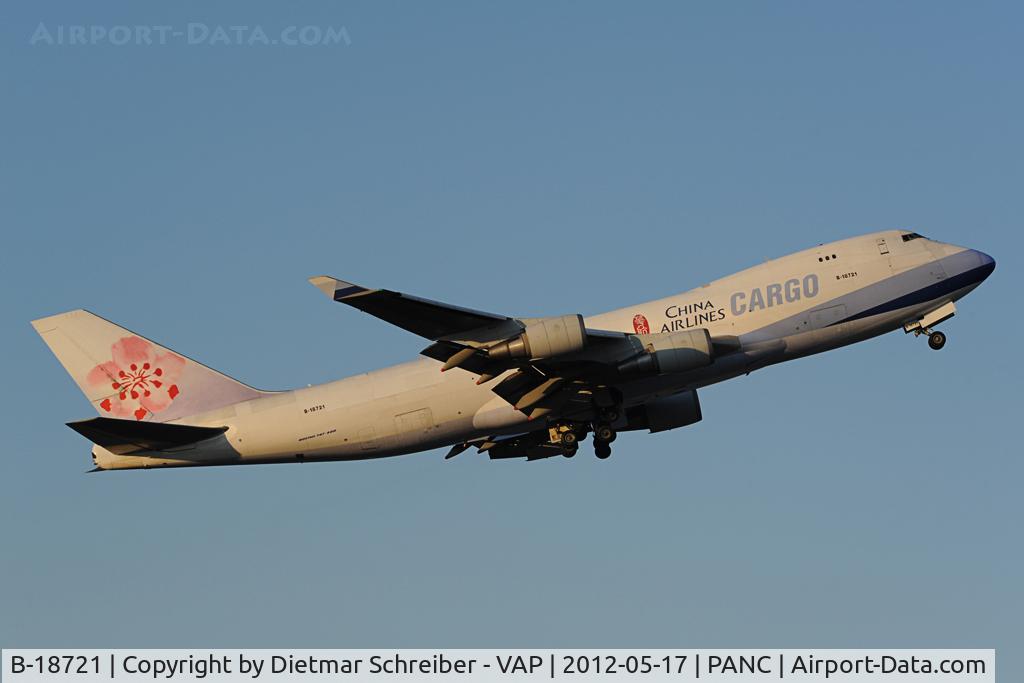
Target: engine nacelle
(668, 412)
(544, 338)
(671, 352)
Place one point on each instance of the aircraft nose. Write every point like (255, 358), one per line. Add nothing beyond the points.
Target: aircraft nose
(985, 262)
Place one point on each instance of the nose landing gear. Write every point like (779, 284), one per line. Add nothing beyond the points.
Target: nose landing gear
(936, 340)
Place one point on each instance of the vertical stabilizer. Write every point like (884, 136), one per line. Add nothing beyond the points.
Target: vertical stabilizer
(127, 376)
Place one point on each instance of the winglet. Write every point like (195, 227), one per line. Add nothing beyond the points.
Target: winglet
(334, 288)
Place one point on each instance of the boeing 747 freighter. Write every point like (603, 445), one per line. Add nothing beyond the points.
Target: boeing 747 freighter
(511, 387)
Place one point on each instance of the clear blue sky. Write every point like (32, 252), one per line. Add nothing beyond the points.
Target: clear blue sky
(535, 158)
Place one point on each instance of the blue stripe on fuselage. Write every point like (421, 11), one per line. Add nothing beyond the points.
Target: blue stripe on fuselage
(909, 288)
(934, 291)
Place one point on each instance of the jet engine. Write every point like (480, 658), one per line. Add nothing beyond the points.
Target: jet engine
(544, 338)
(668, 412)
(670, 352)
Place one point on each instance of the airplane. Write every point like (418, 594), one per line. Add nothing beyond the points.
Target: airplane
(528, 388)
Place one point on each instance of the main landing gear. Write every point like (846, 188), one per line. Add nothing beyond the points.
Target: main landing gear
(568, 436)
(603, 437)
(570, 443)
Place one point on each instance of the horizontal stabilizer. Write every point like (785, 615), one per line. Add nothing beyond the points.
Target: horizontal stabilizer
(128, 436)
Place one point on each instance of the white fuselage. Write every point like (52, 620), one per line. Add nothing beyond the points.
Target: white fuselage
(804, 303)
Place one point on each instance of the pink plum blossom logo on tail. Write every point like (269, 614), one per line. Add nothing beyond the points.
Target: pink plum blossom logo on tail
(640, 324)
(143, 376)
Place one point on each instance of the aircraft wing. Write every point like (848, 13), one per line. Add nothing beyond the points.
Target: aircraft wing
(557, 365)
(431, 319)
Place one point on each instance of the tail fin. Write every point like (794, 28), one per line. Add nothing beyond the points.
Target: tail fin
(128, 376)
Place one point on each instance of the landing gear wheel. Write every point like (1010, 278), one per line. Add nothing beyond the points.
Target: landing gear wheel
(604, 433)
(936, 340)
(570, 443)
(602, 450)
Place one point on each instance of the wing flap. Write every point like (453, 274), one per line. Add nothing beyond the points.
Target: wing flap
(532, 446)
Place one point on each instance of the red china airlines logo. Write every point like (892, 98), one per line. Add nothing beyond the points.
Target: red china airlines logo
(640, 324)
(143, 376)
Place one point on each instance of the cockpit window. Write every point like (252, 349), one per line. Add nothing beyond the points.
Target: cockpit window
(912, 236)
